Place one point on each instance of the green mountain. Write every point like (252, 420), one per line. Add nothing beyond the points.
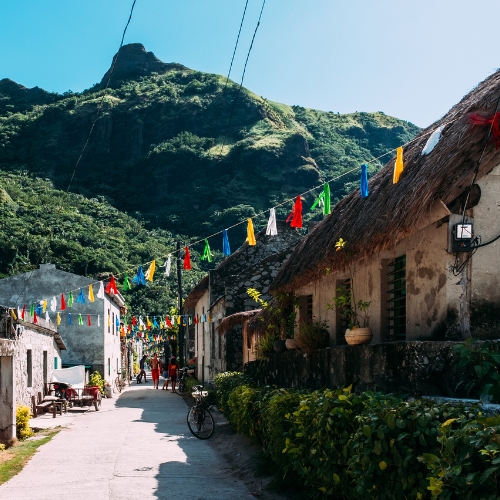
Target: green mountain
(179, 151)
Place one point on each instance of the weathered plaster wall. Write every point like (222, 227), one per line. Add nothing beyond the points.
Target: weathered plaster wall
(110, 342)
(431, 287)
(485, 276)
(202, 348)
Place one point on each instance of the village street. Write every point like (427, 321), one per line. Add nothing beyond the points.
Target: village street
(138, 446)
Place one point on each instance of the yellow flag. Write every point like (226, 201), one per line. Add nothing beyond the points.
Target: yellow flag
(44, 306)
(178, 320)
(109, 320)
(91, 294)
(398, 165)
(148, 322)
(13, 313)
(250, 234)
(151, 271)
(208, 318)
(58, 319)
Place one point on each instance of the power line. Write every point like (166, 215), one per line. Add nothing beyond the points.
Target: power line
(242, 79)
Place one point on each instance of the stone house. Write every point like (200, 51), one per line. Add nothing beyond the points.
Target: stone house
(224, 292)
(408, 249)
(28, 354)
(96, 346)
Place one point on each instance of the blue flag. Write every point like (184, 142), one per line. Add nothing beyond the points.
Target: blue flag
(226, 250)
(363, 187)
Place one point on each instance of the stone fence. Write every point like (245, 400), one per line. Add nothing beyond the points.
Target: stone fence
(415, 368)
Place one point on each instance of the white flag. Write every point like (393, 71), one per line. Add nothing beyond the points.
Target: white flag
(53, 304)
(47, 317)
(272, 230)
(168, 265)
(432, 141)
(100, 293)
(98, 320)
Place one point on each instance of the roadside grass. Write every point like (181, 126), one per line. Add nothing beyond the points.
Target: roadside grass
(13, 459)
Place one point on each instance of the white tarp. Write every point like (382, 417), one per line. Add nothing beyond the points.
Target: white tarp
(74, 376)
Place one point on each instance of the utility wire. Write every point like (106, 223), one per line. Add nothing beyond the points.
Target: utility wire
(241, 83)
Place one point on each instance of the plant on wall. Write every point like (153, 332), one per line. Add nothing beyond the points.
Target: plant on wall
(355, 313)
(312, 336)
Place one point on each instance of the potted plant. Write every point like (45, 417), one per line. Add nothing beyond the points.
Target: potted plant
(356, 315)
(312, 336)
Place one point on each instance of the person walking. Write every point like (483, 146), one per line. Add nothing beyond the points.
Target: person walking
(165, 377)
(172, 372)
(155, 370)
(142, 363)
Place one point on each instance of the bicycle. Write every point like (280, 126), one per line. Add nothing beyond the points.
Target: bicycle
(119, 383)
(181, 387)
(199, 419)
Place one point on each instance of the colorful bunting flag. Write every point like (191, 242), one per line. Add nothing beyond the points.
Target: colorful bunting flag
(226, 250)
(187, 259)
(13, 314)
(398, 165)
(324, 199)
(207, 254)
(24, 312)
(35, 318)
(126, 283)
(151, 271)
(44, 306)
(80, 320)
(58, 319)
(63, 303)
(271, 229)
(70, 299)
(80, 299)
(89, 323)
(250, 233)
(155, 323)
(168, 265)
(100, 293)
(32, 310)
(53, 304)
(111, 287)
(117, 322)
(98, 320)
(47, 317)
(432, 141)
(139, 279)
(91, 294)
(297, 213)
(69, 319)
(363, 184)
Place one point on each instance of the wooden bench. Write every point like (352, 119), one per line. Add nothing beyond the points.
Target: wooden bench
(43, 406)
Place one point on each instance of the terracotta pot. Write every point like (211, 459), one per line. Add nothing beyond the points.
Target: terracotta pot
(291, 344)
(279, 346)
(358, 336)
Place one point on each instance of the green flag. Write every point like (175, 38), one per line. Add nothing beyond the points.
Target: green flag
(207, 254)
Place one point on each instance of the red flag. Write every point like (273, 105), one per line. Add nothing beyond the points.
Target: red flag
(167, 320)
(187, 259)
(134, 321)
(23, 311)
(35, 319)
(88, 320)
(111, 286)
(63, 302)
(195, 321)
(297, 213)
(493, 120)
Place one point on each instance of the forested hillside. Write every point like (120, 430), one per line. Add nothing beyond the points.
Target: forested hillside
(156, 154)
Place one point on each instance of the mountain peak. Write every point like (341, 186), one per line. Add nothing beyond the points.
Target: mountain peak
(133, 61)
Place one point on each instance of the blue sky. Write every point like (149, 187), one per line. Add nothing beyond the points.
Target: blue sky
(411, 59)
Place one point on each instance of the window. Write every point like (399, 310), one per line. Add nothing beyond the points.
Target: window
(113, 324)
(341, 318)
(44, 367)
(212, 347)
(109, 366)
(29, 365)
(396, 289)
(306, 308)
(56, 362)
(109, 321)
(220, 345)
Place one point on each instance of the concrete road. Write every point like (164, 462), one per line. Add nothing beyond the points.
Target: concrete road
(137, 447)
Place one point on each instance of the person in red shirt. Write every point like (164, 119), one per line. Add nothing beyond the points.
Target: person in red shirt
(172, 372)
(155, 370)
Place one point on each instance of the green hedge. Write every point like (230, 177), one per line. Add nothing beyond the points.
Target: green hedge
(337, 444)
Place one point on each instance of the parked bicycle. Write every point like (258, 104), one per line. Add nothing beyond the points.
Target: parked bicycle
(120, 383)
(181, 386)
(199, 419)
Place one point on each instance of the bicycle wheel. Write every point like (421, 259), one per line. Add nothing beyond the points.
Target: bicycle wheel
(181, 388)
(200, 422)
(118, 384)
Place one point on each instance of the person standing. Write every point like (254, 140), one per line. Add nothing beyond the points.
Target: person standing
(165, 377)
(172, 372)
(155, 370)
(142, 363)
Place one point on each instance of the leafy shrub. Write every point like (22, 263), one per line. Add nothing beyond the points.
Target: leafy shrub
(265, 345)
(96, 380)
(136, 368)
(23, 429)
(2, 447)
(225, 383)
(312, 336)
(244, 414)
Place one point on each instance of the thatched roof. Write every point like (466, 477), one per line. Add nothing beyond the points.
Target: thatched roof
(236, 319)
(392, 212)
(196, 293)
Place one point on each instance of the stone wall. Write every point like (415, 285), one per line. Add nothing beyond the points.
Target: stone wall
(415, 368)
